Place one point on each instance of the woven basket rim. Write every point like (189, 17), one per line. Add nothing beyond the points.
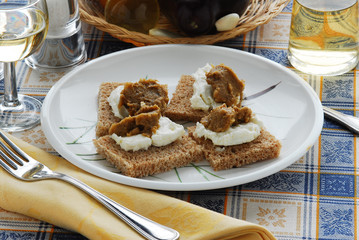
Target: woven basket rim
(259, 12)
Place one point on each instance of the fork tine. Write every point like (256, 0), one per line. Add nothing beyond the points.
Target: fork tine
(8, 160)
(15, 157)
(15, 148)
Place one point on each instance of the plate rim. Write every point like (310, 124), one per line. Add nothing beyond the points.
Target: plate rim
(180, 186)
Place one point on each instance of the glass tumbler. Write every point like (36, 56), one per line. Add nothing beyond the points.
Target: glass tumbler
(64, 45)
(324, 36)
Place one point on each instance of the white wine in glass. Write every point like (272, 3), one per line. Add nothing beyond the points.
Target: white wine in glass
(23, 28)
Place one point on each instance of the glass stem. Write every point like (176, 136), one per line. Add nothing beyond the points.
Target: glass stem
(10, 89)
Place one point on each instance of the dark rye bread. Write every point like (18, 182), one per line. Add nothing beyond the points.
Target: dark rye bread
(264, 147)
(179, 108)
(152, 161)
(105, 116)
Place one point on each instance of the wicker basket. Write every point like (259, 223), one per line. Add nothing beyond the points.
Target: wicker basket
(259, 12)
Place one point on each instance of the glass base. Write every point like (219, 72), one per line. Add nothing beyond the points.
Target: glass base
(323, 70)
(23, 116)
(32, 63)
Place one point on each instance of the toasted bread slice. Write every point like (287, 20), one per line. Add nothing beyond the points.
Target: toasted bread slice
(105, 116)
(151, 161)
(264, 147)
(179, 108)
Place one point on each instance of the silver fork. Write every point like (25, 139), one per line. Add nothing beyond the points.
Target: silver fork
(24, 167)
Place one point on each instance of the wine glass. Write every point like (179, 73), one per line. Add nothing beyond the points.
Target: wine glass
(23, 28)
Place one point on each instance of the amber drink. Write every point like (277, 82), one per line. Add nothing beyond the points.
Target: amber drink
(324, 36)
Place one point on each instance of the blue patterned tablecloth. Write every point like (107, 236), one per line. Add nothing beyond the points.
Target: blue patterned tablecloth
(314, 198)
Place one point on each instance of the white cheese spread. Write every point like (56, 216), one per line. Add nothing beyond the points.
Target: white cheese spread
(202, 97)
(202, 92)
(239, 134)
(114, 100)
(134, 143)
(167, 133)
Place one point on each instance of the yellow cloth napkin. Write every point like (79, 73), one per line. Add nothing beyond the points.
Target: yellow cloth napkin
(63, 205)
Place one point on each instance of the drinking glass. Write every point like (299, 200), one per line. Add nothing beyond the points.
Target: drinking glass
(23, 28)
(64, 46)
(324, 36)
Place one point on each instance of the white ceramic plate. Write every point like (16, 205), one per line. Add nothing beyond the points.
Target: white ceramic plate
(292, 111)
